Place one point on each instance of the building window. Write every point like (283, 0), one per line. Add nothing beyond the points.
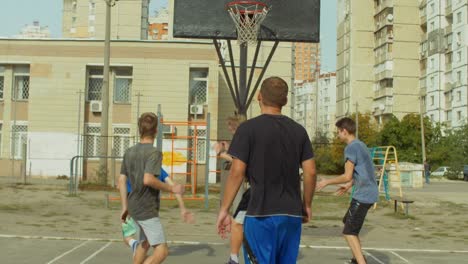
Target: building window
(122, 140)
(92, 140)
(432, 8)
(2, 81)
(200, 144)
(122, 85)
(432, 81)
(459, 56)
(459, 17)
(19, 138)
(459, 96)
(431, 65)
(448, 116)
(432, 26)
(95, 80)
(458, 78)
(459, 116)
(432, 118)
(432, 100)
(21, 82)
(198, 85)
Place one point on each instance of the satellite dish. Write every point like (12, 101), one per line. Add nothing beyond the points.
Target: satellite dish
(381, 107)
(390, 17)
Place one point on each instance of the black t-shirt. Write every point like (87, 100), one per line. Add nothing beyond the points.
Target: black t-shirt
(273, 147)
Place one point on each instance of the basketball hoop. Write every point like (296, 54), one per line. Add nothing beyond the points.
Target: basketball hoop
(247, 16)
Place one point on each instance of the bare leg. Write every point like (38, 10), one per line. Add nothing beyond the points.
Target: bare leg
(159, 255)
(237, 235)
(355, 246)
(140, 253)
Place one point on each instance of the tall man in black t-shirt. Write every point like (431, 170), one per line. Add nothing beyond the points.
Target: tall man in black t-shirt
(269, 149)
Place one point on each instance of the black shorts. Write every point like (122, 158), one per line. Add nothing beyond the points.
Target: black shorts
(354, 217)
(244, 202)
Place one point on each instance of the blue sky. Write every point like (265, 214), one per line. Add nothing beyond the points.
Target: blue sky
(14, 14)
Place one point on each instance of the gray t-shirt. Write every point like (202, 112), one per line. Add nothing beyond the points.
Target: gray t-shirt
(365, 186)
(143, 201)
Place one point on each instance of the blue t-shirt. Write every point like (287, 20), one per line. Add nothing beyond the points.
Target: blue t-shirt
(365, 185)
(162, 178)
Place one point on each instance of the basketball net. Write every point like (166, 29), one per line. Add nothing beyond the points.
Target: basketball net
(247, 16)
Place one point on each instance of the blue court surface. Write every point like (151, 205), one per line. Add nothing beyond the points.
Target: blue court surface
(47, 250)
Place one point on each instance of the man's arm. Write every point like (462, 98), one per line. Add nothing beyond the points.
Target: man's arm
(123, 196)
(310, 180)
(186, 215)
(155, 183)
(234, 181)
(346, 177)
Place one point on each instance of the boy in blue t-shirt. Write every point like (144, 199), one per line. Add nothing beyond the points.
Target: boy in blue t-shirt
(359, 171)
(129, 227)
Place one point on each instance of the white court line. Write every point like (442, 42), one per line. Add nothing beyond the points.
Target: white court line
(372, 256)
(95, 253)
(68, 252)
(221, 243)
(407, 261)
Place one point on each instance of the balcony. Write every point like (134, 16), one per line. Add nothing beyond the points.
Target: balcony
(448, 29)
(448, 11)
(384, 57)
(423, 54)
(423, 72)
(386, 91)
(383, 5)
(448, 47)
(423, 3)
(387, 74)
(423, 21)
(383, 23)
(448, 86)
(422, 91)
(448, 67)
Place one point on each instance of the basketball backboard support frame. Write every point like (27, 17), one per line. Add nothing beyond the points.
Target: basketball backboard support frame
(286, 21)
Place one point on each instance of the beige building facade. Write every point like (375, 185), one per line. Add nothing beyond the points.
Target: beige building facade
(378, 62)
(50, 93)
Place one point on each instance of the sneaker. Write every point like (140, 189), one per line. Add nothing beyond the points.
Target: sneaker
(232, 261)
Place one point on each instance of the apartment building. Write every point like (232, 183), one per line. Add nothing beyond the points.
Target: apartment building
(158, 25)
(377, 65)
(306, 107)
(34, 31)
(327, 104)
(306, 61)
(314, 105)
(86, 19)
(443, 62)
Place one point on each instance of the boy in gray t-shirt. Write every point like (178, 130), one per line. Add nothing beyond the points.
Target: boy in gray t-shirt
(141, 163)
(359, 172)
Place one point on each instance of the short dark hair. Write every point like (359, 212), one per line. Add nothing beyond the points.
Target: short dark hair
(274, 91)
(148, 125)
(348, 124)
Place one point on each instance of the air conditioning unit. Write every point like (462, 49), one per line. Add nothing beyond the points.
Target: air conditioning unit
(95, 106)
(168, 129)
(196, 109)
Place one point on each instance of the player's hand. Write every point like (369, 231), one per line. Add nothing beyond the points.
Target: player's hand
(321, 184)
(177, 189)
(342, 190)
(306, 218)
(223, 223)
(124, 215)
(187, 217)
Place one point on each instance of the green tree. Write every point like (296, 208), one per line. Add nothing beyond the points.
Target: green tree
(405, 135)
